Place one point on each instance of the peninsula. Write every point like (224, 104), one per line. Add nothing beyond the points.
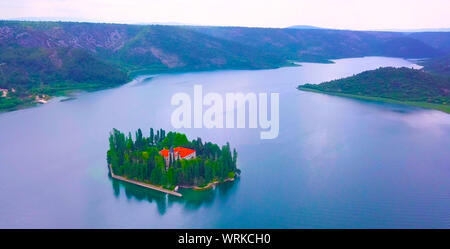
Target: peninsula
(167, 162)
(393, 85)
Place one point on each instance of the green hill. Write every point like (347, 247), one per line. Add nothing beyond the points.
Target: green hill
(319, 45)
(396, 85)
(52, 58)
(440, 65)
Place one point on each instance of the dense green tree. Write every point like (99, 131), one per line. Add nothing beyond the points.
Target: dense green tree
(140, 160)
(152, 136)
(139, 139)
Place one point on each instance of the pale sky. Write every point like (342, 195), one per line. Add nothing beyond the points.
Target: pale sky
(340, 14)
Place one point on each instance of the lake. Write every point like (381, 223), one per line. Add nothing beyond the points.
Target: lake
(337, 162)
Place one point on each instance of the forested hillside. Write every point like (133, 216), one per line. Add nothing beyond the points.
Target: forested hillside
(410, 86)
(41, 59)
(440, 65)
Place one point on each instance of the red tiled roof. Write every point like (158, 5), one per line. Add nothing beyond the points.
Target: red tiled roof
(164, 153)
(183, 152)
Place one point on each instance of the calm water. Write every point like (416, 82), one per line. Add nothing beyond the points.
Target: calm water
(337, 162)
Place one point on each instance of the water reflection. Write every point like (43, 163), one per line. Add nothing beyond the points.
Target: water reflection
(337, 162)
(191, 200)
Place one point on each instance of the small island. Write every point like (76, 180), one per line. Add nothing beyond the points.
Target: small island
(167, 162)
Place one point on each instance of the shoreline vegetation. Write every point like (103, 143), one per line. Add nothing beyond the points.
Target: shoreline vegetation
(443, 108)
(143, 184)
(167, 191)
(54, 58)
(403, 86)
(12, 103)
(152, 162)
(209, 185)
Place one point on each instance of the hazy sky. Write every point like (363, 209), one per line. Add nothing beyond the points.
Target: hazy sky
(342, 14)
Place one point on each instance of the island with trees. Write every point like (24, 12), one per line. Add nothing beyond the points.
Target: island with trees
(393, 85)
(167, 162)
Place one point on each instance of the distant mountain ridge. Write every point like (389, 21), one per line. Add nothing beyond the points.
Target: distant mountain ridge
(415, 30)
(53, 57)
(303, 27)
(324, 44)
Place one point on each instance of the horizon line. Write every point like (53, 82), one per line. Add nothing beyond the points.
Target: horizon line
(297, 26)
